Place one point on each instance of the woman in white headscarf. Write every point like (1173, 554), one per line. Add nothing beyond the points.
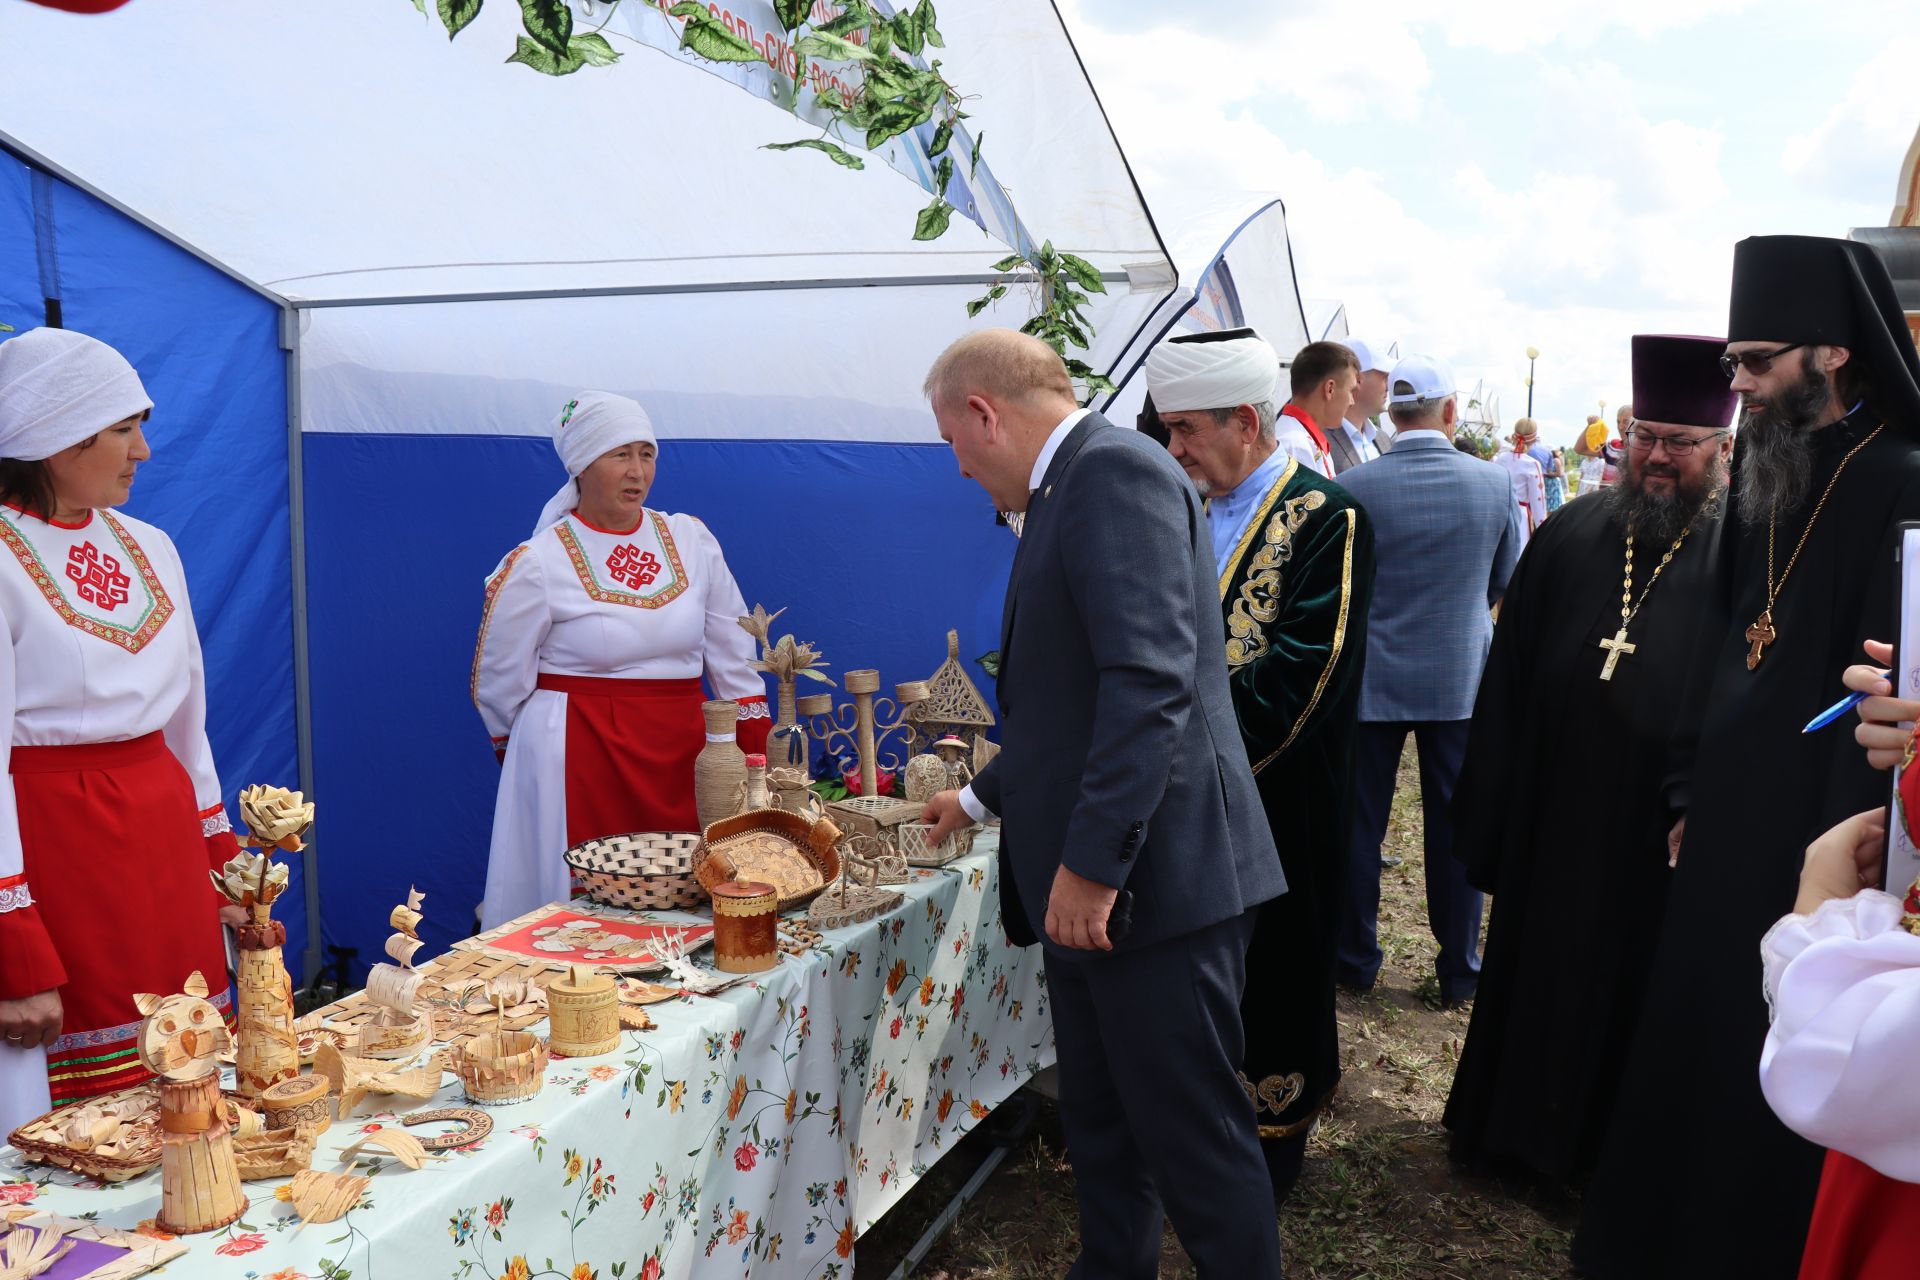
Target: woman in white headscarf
(593, 639)
(110, 816)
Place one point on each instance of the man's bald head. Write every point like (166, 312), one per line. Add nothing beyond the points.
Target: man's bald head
(997, 395)
(1012, 369)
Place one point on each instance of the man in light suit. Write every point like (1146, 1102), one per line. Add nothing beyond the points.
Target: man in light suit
(1447, 534)
(1133, 845)
(1356, 439)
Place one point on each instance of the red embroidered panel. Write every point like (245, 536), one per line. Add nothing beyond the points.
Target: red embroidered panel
(632, 566)
(646, 567)
(98, 578)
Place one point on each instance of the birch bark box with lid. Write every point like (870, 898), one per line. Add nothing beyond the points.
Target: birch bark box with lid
(583, 1009)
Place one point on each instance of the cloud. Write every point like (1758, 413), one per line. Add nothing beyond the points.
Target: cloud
(1605, 226)
(1327, 59)
(1860, 142)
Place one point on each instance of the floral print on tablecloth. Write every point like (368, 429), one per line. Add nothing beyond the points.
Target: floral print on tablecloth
(758, 1132)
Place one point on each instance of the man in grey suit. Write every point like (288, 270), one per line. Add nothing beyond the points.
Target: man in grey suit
(1447, 534)
(1133, 846)
(1356, 440)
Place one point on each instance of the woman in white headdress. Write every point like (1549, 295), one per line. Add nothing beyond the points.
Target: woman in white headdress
(593, 640)
(110, 816)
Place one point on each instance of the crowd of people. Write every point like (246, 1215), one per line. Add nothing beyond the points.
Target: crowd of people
(1221, 629)
(1366, 580)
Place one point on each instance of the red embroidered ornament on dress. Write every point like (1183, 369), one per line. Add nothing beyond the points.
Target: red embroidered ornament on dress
(1908, 793)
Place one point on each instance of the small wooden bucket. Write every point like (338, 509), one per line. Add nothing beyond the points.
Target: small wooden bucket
(499, 1068)
(585, 1014)
(745, 934)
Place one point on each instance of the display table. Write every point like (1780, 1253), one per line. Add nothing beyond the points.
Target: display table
(758, 1130)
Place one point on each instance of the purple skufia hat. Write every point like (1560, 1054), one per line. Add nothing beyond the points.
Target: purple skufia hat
(1678, 380)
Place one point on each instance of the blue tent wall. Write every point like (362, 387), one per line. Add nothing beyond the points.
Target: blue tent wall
(877, 548)
(207, 348)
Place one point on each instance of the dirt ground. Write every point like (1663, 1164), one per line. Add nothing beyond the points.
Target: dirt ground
(1378, 1201)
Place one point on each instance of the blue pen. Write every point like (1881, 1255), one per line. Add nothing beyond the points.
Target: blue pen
(1837, 710)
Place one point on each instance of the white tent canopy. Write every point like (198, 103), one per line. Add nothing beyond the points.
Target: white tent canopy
(460, 244)
(1235, 268)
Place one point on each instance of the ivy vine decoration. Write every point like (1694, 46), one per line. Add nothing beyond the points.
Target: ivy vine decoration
(896, 94)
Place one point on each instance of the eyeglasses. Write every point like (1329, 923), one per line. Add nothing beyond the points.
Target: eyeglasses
(1755, 362)
(1643, 441)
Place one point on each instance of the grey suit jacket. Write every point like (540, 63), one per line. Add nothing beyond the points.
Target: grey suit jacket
(1122, 756)
(1340, 445)
(1447, 535)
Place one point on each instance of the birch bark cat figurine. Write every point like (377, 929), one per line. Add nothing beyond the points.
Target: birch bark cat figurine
(180, 1039)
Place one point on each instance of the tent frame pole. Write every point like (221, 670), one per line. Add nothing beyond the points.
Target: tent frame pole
(302, 660)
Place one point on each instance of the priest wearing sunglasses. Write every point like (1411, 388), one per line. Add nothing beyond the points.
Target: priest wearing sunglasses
(1697, 1177)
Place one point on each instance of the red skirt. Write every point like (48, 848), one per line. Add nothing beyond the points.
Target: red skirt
(1863, 1225)
(630, 751)
(112, 848)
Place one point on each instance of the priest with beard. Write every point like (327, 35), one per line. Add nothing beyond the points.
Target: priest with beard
(1589, 659)
(1696, 1177)
(1296, 563)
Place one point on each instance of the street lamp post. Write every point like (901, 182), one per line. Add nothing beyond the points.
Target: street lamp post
(1533, 353)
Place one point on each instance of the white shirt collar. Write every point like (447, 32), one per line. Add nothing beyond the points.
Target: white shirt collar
(1052, 446)
(1421, 433)
(1363, 429)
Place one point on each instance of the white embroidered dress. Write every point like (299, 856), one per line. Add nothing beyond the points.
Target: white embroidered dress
(655, 604)
(101, 649)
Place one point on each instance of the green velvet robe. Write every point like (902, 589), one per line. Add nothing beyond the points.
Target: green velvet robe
(1295, 593)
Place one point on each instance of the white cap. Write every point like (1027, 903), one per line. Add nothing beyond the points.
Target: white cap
(1427, 378)
(1372, 357)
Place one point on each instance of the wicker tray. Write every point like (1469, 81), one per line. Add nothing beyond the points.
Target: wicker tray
(135, 1149)
(794, 854)
(647, 870)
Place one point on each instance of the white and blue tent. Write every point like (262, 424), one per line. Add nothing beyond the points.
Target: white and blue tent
(361, 268)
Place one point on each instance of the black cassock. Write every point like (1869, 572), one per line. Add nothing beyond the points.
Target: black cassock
(1561, 816)
(1696, 1176)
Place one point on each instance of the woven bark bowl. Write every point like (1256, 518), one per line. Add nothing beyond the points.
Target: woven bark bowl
(643, 871)
(794, 853)
(500, 1068)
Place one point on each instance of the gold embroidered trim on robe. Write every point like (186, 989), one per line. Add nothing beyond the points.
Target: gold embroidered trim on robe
(1259, 602)
(1333, 652)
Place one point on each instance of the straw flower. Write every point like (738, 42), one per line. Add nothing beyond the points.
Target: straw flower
(275, 817)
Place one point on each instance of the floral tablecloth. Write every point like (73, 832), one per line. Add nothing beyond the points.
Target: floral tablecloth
(755, 1132)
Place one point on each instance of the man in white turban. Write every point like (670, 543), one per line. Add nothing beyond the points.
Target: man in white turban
(1295, 559)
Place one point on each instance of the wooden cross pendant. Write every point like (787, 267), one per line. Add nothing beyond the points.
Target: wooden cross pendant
(1617, 648)
(1760, 635)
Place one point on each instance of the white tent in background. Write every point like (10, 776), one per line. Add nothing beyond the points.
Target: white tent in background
(1235, 268)
(447, 248)
(1326, 319)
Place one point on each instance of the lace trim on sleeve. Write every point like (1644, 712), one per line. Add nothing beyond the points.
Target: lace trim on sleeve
(14, 894)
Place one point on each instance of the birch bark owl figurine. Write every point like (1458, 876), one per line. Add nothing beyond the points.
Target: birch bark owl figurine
(180, 1038)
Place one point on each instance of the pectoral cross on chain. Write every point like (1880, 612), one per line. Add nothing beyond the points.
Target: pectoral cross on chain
(1617, 648)
(1760, 635)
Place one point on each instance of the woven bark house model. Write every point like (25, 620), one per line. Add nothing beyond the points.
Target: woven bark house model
(954, 705)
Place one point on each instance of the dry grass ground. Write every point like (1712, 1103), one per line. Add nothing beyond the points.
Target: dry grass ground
(1379, 1200)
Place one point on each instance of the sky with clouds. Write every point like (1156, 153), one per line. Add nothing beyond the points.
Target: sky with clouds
(1479, 176)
